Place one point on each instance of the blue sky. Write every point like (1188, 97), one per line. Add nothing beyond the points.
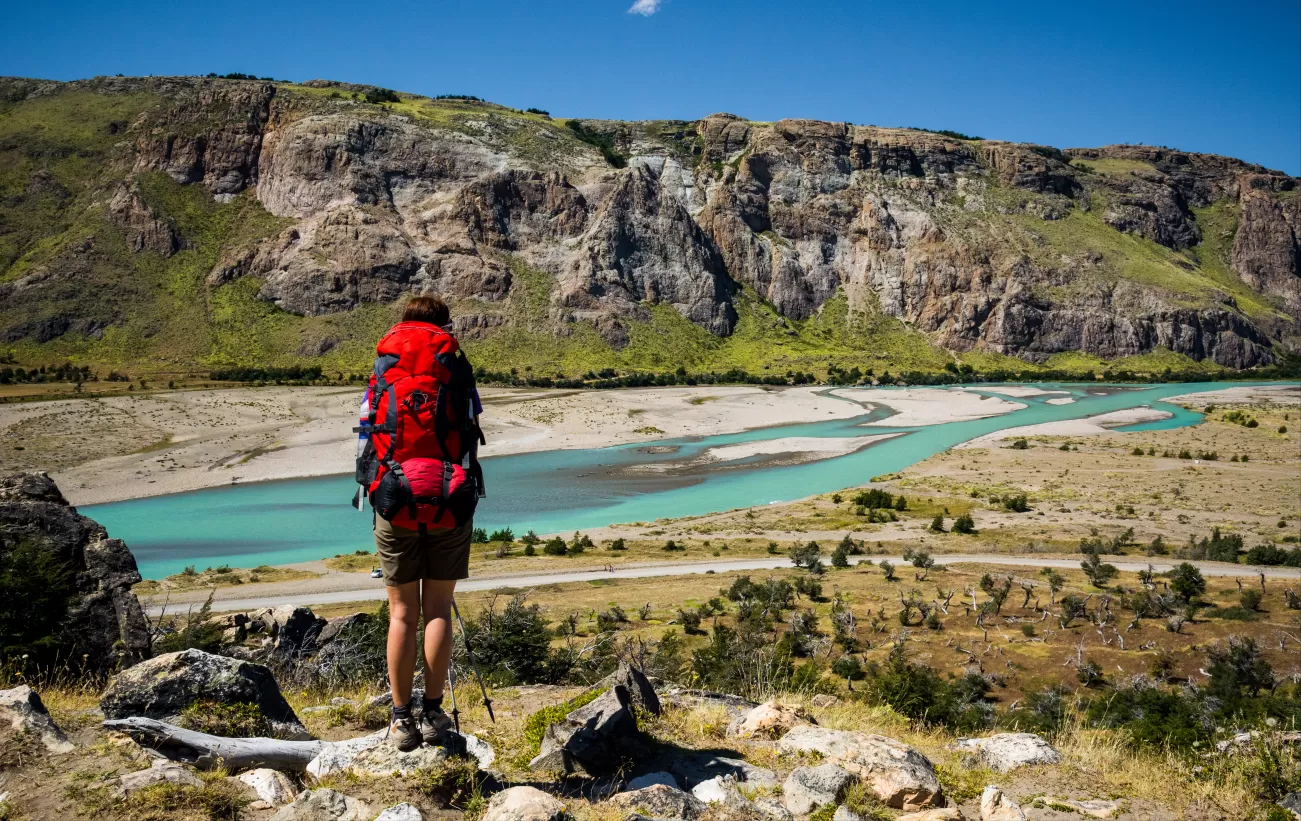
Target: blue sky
(1216, 77)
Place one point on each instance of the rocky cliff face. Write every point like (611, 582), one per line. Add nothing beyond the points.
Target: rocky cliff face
(104, 627)
(981, 245)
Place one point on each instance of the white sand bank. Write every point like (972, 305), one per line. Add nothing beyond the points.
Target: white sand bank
(1091, 426)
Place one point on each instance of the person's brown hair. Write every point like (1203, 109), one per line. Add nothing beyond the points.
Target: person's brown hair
(427, 308)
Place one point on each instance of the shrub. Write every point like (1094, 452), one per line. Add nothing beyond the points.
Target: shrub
(808, 557)
(887, 570)
(964, 524)
(555, 546)
(1250, 598)
(840, 556)
(672, 546)
(937, 524)
(1020, 444)
(34, 592)
(382, 95)
(1098, 573)
(503, 535)
(690, 621)
(479, 536)
(1090, 674)
(874, 499)
(530, 538)
(529, 549)
(618, 544)
(512, 646)
(921, 694)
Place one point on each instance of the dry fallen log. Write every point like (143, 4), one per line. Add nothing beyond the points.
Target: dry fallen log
(210, 751)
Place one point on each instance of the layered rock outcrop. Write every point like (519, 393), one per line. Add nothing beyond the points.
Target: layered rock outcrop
(982, 245)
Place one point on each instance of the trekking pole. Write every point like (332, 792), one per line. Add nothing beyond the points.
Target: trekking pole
(451, 691)
(474, 663)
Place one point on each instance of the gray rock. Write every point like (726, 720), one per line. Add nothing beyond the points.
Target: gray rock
(721, 790)
(660, 801)
(591, 740)
(163, 687)
(1007, 751)
(897, 774)
(21, 706)
(401, 812)
(160, 772)
(271, 786)
(650, 779)
(323, 805)
(844, 813)
(1292, 803)
(297, 630)
(338, 625)
(808, 788)
(996, 806)
(104, 624)
(524, 804)
(772, 808)
(374, 754)
(641, 695)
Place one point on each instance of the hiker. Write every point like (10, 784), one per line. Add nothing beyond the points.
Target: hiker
(419, 470)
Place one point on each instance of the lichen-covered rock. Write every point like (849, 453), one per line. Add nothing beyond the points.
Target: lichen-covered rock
(771, 719)
(898, 774)
(660, 801)
(22, 708)
(163, 687)
(692, 769)
(808, 788)
(1007, 751)
(996, 806)
(160, 772)
(104, 624)
(323, 805)
(721, 790)
(524, 804)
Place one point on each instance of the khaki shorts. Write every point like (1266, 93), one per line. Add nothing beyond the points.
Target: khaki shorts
(443, 554)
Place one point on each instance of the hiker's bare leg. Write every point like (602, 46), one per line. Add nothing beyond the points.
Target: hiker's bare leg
(403, 623)
(437, 604)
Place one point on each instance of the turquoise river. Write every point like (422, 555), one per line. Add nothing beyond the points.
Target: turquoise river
(566, 490)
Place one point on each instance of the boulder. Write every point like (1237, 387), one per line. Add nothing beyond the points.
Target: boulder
(937, 814)
(660, 801)
(769, 720)
(524, 804)
(104, 624)
(271, 786)
(401, 812)
(323, 805)
(844, 813)
(650, 779)
(163, 687)
(592, 740)
(1007, 751)
(721, 789)
(996, 806)
(899, 775)
(808, 788)
(298, 628)
(21, 706)
(373, 754)
(338, 625)
(160, 772)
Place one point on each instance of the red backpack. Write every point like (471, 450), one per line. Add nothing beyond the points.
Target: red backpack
(418, 466)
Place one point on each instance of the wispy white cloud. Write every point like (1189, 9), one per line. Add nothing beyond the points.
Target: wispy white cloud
(645, 7)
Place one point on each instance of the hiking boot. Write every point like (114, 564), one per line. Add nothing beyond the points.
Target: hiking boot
(434, 725)
(404, 733)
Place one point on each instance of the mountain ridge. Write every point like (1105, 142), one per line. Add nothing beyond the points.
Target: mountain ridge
(190, 223)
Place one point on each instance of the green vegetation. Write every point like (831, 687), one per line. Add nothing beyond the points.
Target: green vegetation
(34, 593)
